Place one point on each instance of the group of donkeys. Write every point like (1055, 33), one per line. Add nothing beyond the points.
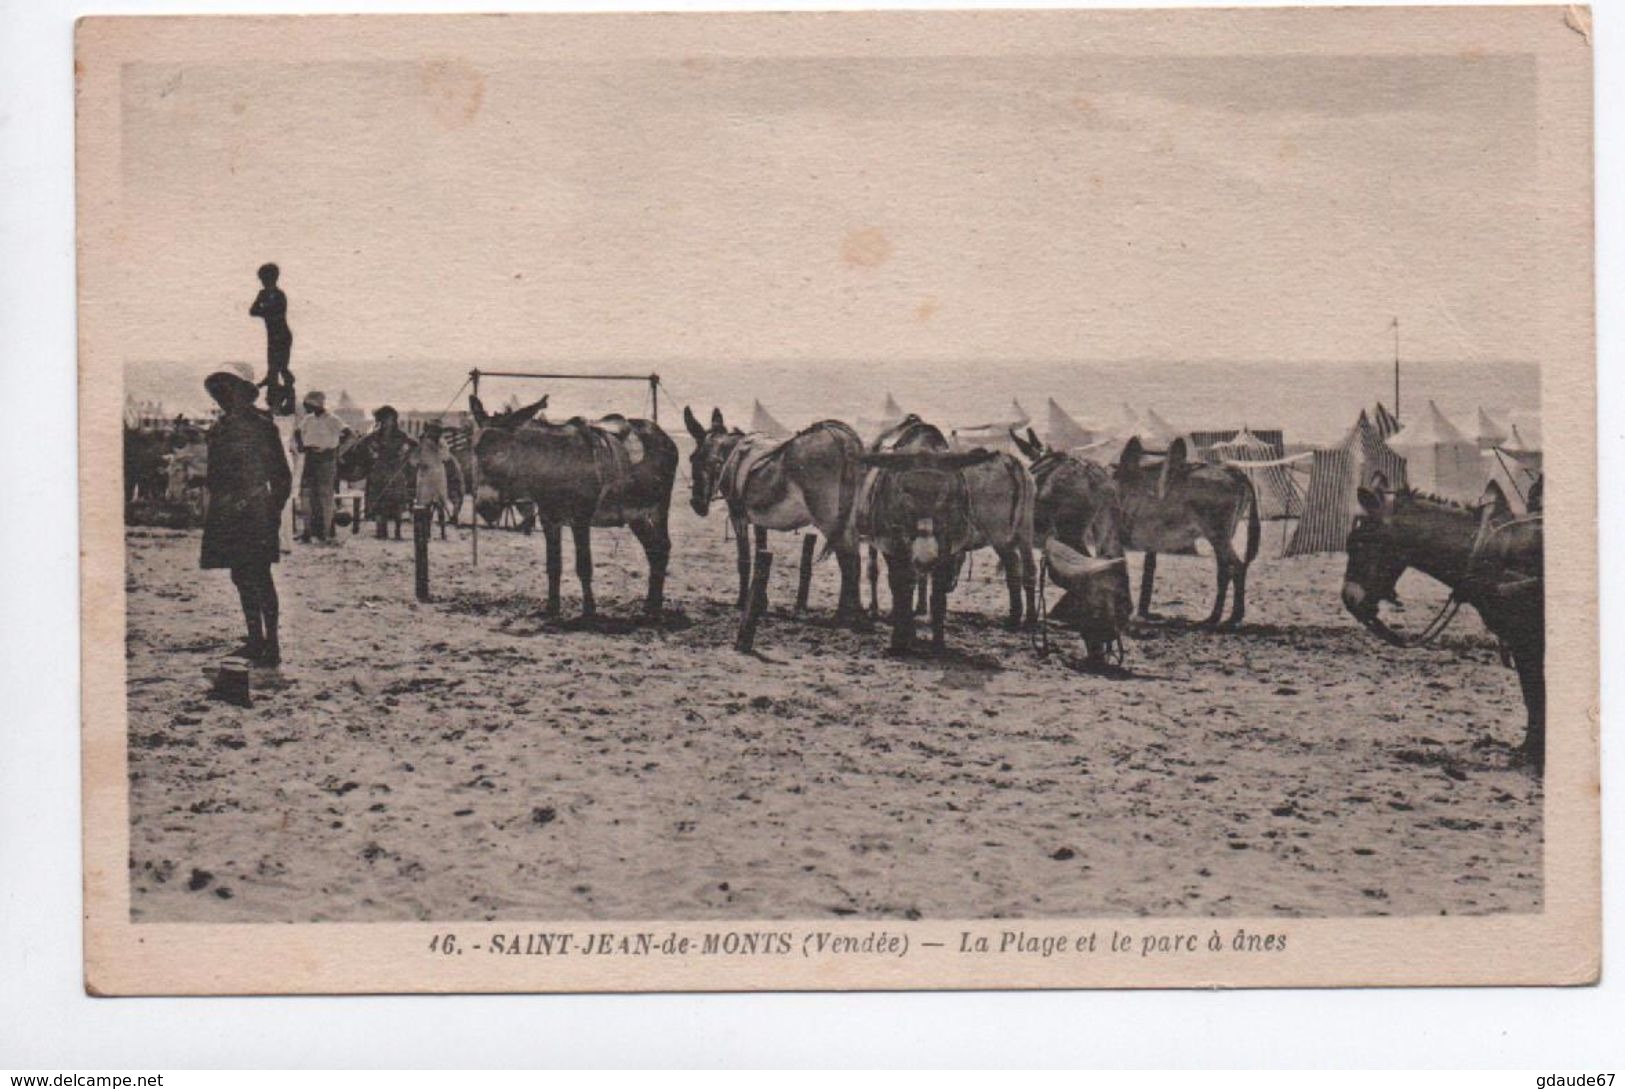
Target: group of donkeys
(908, 496)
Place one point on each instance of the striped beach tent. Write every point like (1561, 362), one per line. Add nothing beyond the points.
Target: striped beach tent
(1330, 503)
(1271, 475)
(1377, 457)
(762, 422)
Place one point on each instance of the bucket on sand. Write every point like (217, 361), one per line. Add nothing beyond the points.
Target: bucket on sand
(231, 683)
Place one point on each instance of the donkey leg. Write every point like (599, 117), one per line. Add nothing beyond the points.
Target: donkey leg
(761, 546)
(1029, 584)
(809, 542)
(850, 610)
(922, 600)
(656, 542)
(1221, 565)
(554, 536)
(1238, 609)
(581, 532)
(900, 576)
(874, 583)
(1148, 576)
(742, 543)
(939, 604)
(1531, 665)
(1010, 557)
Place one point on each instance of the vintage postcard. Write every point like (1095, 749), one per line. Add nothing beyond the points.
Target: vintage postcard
(823, 501)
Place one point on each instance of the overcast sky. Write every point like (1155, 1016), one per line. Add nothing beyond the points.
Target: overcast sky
(936, 209)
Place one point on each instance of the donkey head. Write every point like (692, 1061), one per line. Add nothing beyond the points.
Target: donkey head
(494, 444)
(712, 446)
(1375, 559)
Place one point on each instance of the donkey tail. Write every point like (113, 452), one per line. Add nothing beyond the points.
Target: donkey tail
(1253, 526)
(851, 478)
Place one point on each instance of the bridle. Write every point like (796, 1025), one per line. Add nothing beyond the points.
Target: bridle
(1459, 594)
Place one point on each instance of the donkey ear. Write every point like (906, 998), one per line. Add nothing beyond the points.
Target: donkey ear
(1032, 437)
(1370, 501)
(693, 425)
(477, 410)
(524, 415)
(1029, 450)
(716, 420)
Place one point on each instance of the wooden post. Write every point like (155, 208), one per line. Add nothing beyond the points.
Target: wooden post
(474, 471)
(421, 514)
(809, 541)
(756, 604)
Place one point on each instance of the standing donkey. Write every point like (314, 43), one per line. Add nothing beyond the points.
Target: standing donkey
(611, 472)
(999, 494)
(808, 480)
(1169, 504)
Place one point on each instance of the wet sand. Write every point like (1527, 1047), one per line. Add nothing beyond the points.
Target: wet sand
(466, 759)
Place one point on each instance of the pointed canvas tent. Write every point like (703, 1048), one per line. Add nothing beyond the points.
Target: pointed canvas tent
(1278, 494)
(348, 412)
(890, 414)
(990, 436)
(1158, 431)
(763, 422)
(1330, 503)
(1490, 433)
(1515, 478)
(1439, 458)
(1065, 433)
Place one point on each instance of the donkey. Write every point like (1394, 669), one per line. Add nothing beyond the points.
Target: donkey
(1001, 516)
(1490, 559)
(1169, 504)
(808, 480)
(1077, 516)
(917, 509)
(581, 475)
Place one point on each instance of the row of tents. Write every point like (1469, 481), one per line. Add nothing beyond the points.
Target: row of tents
(1314, 486)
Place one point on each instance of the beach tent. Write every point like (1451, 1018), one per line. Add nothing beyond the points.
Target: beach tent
(1514, 476)
(990, 436)
(1157, 431)
(1376, 457)
(350, 413)
(762, 421)
(1271, 475)
(891, 413)
(1439, 458)
(1490, 432)
(1330, 503)
(1064, 432)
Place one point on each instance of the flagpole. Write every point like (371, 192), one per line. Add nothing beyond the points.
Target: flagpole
(1396, 366)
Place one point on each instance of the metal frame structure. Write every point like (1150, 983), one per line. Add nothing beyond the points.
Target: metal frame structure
(474, 377)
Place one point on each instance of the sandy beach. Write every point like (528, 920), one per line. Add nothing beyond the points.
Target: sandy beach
(465, 759)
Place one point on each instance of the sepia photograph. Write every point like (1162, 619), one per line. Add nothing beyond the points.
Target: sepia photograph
(867, 500)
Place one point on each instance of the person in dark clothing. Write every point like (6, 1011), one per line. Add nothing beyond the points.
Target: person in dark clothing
(386, 452)
(271, 305)
(248, 485)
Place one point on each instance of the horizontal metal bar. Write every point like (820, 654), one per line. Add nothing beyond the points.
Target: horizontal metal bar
(594, 377)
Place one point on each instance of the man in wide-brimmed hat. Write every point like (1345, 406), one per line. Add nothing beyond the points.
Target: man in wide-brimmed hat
(248, 485)
(318, 436)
